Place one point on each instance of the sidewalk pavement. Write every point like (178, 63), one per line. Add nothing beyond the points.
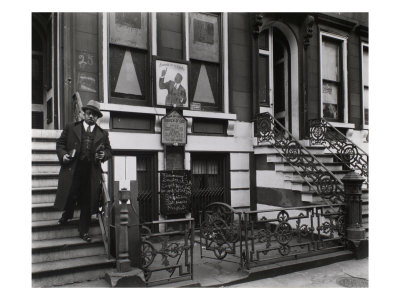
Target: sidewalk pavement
(351, 273)
(324, 270)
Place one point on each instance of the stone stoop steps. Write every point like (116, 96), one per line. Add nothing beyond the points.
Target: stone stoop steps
(293, 181)
(59, 256)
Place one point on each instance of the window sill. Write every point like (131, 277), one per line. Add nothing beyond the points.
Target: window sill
(343, 125)
(208, 115)
(133, 109)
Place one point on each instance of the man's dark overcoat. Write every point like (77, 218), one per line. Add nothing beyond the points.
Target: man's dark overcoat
(71, 139)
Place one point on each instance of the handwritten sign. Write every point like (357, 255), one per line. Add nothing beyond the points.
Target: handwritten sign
(173, 129)
(175, 192)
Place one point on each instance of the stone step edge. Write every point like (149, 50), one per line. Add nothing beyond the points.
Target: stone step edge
(334, 172)
(44, 189)
(70, 265)
(45, 162)
(307, 147)
(44, 175)
(64, 243)
(37, 225)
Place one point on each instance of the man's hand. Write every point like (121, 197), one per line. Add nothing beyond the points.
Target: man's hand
(100, 155)
(66, 158)
(163, 72)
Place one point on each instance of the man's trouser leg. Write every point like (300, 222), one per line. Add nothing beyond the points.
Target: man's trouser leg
(84, 198)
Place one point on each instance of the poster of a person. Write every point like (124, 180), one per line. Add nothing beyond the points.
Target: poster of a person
(171, 88)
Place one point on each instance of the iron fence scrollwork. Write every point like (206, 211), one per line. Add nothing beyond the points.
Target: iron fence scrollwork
(167, 256)
(276, 234)
(323, 133)
(220, 231)
(315, 174)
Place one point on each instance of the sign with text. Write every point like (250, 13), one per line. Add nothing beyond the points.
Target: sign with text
(173, 129)
(175, 192)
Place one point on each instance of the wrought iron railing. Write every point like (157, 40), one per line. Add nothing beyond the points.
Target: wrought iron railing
(276, 234)
(323, 133)
(104, 216)
(77, 113)
(316, 175)
(220, 232)
(167, 256)
(254, 238)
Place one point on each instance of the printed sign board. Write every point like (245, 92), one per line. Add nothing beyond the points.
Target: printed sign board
(173, 129)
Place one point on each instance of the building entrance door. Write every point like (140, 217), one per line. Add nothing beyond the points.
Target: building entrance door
(275, 76)
(210, 182)
(44, 106)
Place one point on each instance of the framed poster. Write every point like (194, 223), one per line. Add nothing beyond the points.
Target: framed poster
(171, 88)
(129, 29)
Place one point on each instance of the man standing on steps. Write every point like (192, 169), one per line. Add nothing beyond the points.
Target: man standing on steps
(81, 148)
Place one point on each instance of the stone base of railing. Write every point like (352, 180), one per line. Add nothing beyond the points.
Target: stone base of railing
(133, 278)
(357, 242)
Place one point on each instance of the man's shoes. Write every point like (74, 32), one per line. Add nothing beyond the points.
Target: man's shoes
(86, 237)
(62, 221)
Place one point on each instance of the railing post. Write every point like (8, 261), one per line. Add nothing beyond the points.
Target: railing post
(128, 273)
(355, 233)
(135, 254)
(123, 263)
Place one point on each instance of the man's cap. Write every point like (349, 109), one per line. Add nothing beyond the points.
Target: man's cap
(93, 105)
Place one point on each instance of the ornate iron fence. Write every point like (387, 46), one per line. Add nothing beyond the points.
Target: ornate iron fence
(281, 234)
(315, 174)
(167, 256)
(254, 238)
(323, 133)
(221, 232)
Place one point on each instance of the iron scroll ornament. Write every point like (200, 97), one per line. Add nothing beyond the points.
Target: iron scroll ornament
(319, 178)
(219, 229)
(323, 133)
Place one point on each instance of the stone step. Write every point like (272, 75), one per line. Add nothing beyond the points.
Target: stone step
(44, 180)
(43, 195)
(310, 197)
(39, 167)
(300, 185)
(66, 248)
(290, 175)
(269, 149)
(43, 145)
(68, 271)
(45, 134)
(44, 155)
(332, 166)
(323, 158)
(47, 212)
(49, 229)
